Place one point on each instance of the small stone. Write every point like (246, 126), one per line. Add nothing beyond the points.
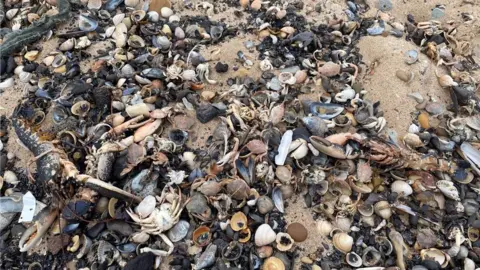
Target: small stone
(438, 12)
(423, 120)
(385, 5)
(306, 260)
(435, 108)
(274, 84)
(221, 67)
(297, 231)
(208, 95)
(411, 56)
(318, 7)
(166, 12)
(10, 155)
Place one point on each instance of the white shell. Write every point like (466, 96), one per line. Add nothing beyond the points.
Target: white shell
(166, 12)
(287, 78)
(142, 80)
(10, 177)
(67, 45)
(127, 71)
(345, 94)
(283, 148)
(265, 65)
(109, 31)
(146, 207)
(189, 75)
(48, 60)
(401, 188)
(264, 235)
(448, 189)
(163, 42)
(117, 19)
(11, 13)
(131, 3)
(413, 129)
(18, 70)
(137, 109)
(383, 210)
(324, 227)
(94, 4)
(7, 83)
(25, 76)
(153, 16)
(343, 242)
(83, 42)
(173, 18)
(179, 33)
(140, 237)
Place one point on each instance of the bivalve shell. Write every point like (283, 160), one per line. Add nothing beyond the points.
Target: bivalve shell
(448, 189)
(382, 209)
(273, 263)
(324, 227)
(264, 235)
(284, 241)
(166, 12)
(343, 242)
(402, 188)
(238, 221)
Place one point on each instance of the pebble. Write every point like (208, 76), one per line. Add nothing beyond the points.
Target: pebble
(10, 155)
(411, 56)
(435, 108)
(385, 5)
(437, 13)
(423, 120)
(306, 260)
(249, 44)
(1, 145)
(221, 67)
(274, 84)
(166, 12)
(405, 75)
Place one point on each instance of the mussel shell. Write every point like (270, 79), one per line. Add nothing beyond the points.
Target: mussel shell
(127, 248)
(59, 114)
(179, 137)
(325, 110)
(86, 23)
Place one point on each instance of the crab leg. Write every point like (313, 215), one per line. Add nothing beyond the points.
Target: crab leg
(39, 228)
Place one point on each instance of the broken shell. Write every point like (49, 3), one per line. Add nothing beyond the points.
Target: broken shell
(245, 235)
(264, 205)
(81, 108)
(284, 241)
(111, 206)
(238, 221)
(31, 55)
(264, 235)
(382, 209)
(287, 78)
(75, 244)
(273, 263)
(448, 189)
(138, 16)
(402, 188)
(353, 259)
(473, 234)
(135, 41)
(202, 236)
(446, 81)
(436, 255)
(10, 178)
(365, 209)
(371, 257)
(343, 242)
(86, 23)
(406, 76)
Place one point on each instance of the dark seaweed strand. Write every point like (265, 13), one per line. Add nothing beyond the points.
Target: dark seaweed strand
(2, 12)
(18, 39)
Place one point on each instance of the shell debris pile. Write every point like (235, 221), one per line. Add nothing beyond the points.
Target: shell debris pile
(119, 183)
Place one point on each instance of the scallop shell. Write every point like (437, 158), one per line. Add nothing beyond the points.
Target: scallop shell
(448, 189)
(264, 235)
(343, 242)
(401, 188)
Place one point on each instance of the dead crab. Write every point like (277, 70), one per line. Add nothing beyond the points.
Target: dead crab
(156, 220)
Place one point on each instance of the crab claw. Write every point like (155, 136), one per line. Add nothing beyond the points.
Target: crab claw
(328, 148)
(39, 228)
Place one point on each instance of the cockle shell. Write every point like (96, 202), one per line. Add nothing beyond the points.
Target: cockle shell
(324, 227)
(448, 189)
(402, 188)
(264, 235)
(67, 45)
(412, 140)
(343, 242)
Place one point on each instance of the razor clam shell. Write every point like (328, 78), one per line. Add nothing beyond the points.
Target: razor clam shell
(472, 155)
(277, 198)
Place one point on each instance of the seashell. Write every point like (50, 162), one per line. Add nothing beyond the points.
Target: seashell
(137, 109)
(146, 130)
(300, 76)
(244, 3)
(109, 31)
(264, 251)
(67, 45)
(264, 235)
(135, 41)
(345, 94)
(284, 241)
(264, 205)
(371, 257)
(324, 227)
(166, 12)
(59, 60)
(342, 242)
(446, 81)
(316, 125)
(131, 3)
(406, 76)
(238, 221)
(31, 55)
(325, 111)
(402, 188)
(174, 19)
(343, 223)
(297, 231)
(117, 19)
(75, 244)
(411, 56)
(61, 69)
(413, 129)
(146, 206)
(81, 108)
(25, 77)
(83, 42)
(245, 234)
(417, 97)
(281, 14)
(202, 236)
(468, 264)
(86, 23)
(412, 140)
(329, 69)
(10, 177)
(436, 255)
(365, 209)
(48, 60)
(273, 263)
(353, 259)
(287, 78)
(162, 42)
(288, 30)
(382, 209)
(284, 147)
(138, 16)
(94, 4)
(86, 244)
(11, 13)
(448, 189)
(256, 5)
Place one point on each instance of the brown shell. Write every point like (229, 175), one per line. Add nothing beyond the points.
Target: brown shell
(256, 147)
(238, 222)
(245, 235)
(202, 236)
(238, 189)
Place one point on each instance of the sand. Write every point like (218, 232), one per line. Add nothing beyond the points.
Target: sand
(385, 53)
